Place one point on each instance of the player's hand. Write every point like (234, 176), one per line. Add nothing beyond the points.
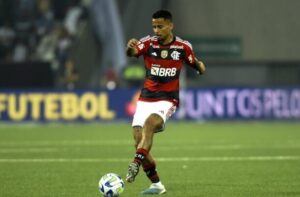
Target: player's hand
(131, 47)
(132, 43)
(201, 66)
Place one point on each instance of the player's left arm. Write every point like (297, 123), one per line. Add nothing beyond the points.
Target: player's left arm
(200, 66)
(191, 60)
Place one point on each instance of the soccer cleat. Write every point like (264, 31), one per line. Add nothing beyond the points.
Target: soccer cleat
(133, 170)
(155, 189)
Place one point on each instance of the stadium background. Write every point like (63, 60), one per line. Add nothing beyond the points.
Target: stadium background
(74, 45)
(68, 93)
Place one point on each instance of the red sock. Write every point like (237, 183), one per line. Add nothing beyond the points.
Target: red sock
(140, 155)
(150, 170)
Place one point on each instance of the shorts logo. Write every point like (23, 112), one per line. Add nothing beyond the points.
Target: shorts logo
(156, 70)
(162, 112)
(164, 54)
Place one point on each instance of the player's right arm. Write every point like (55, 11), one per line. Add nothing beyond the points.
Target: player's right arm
(131, 49)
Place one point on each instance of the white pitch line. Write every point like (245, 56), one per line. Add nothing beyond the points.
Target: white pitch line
(246, 158)
(30, 150)
(67, 143)
(161, 159)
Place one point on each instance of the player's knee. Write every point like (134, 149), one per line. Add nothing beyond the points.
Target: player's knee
(137, 129)
(154, 122)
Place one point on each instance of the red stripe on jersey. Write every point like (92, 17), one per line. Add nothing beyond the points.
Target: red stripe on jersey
(155, 86)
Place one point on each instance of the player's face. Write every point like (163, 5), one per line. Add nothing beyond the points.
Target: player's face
(162, 28)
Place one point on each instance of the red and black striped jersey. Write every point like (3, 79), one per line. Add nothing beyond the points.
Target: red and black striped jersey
(163, 64)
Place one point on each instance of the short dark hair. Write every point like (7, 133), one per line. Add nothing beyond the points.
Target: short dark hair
(162, 14)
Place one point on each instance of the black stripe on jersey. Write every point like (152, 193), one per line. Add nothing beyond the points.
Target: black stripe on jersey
(166, 54)
(160, 94)
(161, 79)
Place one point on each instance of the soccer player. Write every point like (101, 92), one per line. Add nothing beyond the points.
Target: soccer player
(164, 55)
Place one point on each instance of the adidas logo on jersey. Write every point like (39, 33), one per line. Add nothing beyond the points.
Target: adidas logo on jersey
(154, 53)
(162, 72)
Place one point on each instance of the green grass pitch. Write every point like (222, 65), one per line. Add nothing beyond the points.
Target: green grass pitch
(194, 160)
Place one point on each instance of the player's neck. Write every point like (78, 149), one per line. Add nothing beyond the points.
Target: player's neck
(168, 40)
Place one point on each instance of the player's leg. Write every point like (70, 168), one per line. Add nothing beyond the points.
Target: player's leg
(141, 114)
(152, 122)
(137, 135)
(133, 168)
(156, 186)
(149, 165)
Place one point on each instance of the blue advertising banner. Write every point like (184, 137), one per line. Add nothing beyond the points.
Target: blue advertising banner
(196, 104)
(242, 103)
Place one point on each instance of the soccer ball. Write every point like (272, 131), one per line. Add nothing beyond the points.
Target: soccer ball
(111, 185)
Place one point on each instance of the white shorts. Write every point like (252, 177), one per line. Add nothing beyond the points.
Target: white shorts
(164, 109)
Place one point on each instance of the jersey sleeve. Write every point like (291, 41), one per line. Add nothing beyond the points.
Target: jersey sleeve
(189, 54)
(143, 46)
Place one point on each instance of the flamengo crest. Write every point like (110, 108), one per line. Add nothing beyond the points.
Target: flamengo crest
(175, 55)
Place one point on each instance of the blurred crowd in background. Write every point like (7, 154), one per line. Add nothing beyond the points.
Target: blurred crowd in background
(39, 30)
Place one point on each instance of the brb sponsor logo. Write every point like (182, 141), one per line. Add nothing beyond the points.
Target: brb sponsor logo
(156, 70)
